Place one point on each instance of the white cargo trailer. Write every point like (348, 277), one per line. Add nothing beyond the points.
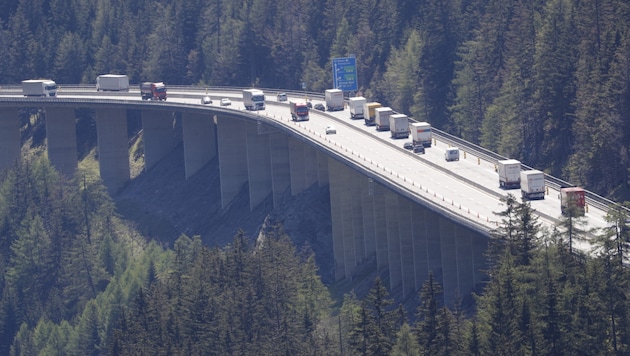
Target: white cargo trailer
(509, 173)
(532, 185)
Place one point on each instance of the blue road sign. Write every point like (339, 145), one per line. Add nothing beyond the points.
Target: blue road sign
(345, 74)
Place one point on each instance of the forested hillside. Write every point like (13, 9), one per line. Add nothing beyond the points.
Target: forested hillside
(543, 81)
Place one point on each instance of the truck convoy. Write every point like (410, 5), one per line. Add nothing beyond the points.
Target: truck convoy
(370, 113)
(39, 87)
(112, 82)
(532, 185)
(399, 126)
(381, 118)
(153, 91)
(572, 201)
(334, 99)
(421, 133)
(356, 107)
(509, 173)
(254, 99)
(299, 110)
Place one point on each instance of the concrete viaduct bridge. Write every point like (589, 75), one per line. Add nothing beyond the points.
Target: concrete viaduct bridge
(411, 217)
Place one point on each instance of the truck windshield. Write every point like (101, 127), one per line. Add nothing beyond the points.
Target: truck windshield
(51, 87)
(160, 89)
(302, 110)
(258, 98)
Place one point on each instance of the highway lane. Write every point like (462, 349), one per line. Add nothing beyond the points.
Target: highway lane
(377, 152)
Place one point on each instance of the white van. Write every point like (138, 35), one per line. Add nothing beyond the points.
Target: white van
(451, 154)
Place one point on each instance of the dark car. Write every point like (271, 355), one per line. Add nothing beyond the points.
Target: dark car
(408, 145)
(418, 149)
(309, 104)
(319, 107)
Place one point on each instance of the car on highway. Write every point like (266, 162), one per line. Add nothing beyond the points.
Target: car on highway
(330, 130)
(408, 145)
(206, 100)
(282, 97)
(418, 149)
(226, 102)
(320, 107)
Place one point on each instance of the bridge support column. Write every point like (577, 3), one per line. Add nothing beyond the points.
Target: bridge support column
(406, 246)
(367, 202)
(380, 225)
(10, 142)
(200, 141)
(113, 152)
(450, 262)
(159, 135)
(232, 152)
(298, 166)
(280, 171)
(322, 169)
(336, 189)
(345, 177)
(420, 249)
(310, 166)
(392, 216)
(258, 166)
(354, 187)
(61, 134)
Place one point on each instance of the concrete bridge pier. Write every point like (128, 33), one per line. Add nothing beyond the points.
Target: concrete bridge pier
(369, 227)
(61, 134)
(406, 246)
(232, 151)
(380, 225)
(258, 165)
(200, 141)
(336, 188)
(280, 170)
(392, 216)
(310, 166)
(113, 152)
(322, 169)
(160, 135)
(354, 187)
(297, 164)
(10, 141)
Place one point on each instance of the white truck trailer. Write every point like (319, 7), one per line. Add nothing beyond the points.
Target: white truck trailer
(39, 87)
(399, 126)
(381, 118)
(451, 154)
(112, 82)
(421, 133)
(532, 185)
(334, 99)
(356, 105)
(254, 99)
(509, 173)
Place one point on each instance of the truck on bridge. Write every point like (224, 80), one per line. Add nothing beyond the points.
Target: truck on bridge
(572, 201)
(509, 173)
(370, 113)
(112, 82)
(421, 133)
(381, 118)
(153, 91)
(399, 126)
(334, 99)
(39, 87)
(299, 110)
(254, 99)
(356, 107)
(532, 185)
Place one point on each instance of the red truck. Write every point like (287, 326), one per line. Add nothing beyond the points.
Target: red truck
(153, 91)
(572, 201)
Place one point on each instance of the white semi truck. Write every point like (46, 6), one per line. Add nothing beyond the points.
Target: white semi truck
(334, 99)
(532, 184)
(356, 105)
(509, 173)
(254, 99)
(39, 87)
(381, 118)
(399, 126)
(112, 82)
(421, 133)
